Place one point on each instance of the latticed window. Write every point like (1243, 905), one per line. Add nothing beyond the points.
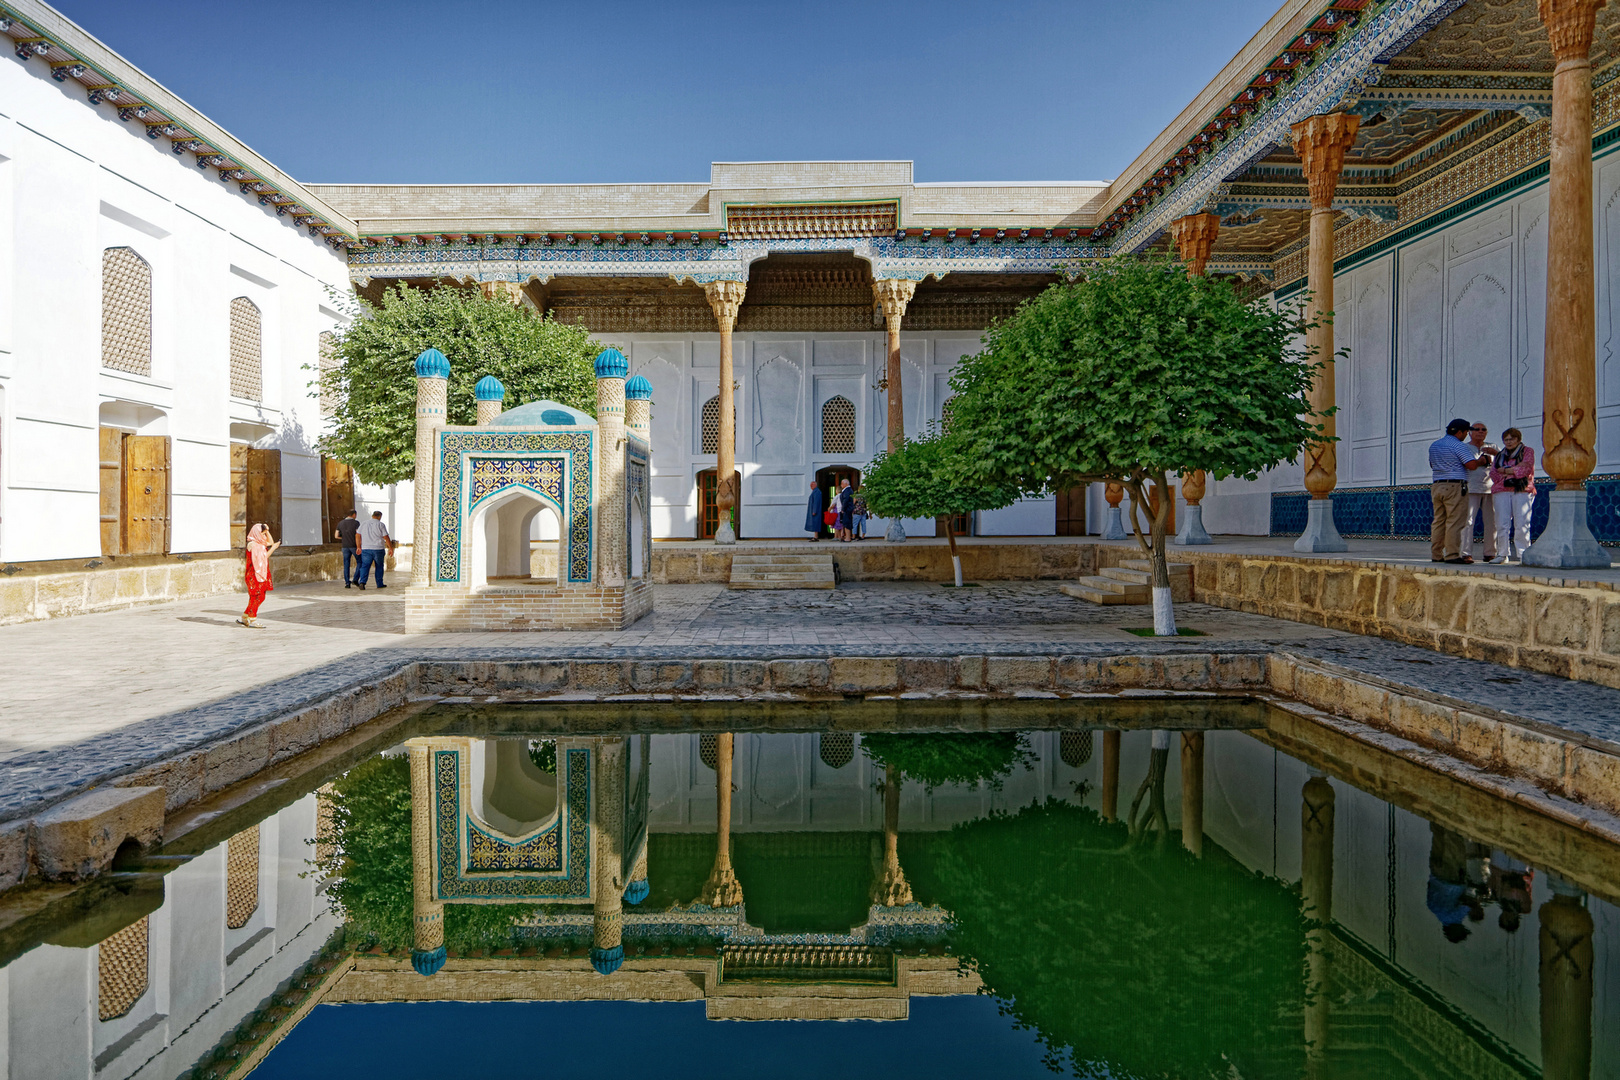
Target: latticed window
(121, 976)
(328, 362)
(247, 351)
(945, 415)
(711, 426)
(126, 311)
(709, 749)
(838, 426)
(241, 877)
(837, 749)
(1075, 748)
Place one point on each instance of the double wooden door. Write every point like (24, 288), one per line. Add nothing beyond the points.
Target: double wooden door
(1071, 512)
(134, 493)
(255, 491)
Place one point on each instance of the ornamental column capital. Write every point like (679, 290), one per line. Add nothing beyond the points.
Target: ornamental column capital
(1321, 142)
(510, 291)
(893, 294)
(725, 298)
(1570, 25)
(1195, 238)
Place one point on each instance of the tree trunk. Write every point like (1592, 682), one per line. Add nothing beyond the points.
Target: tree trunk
(1164, 613)
(950, 536)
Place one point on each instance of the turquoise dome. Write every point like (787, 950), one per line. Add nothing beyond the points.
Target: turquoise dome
(432, 364)
(543, 414)
(638, 389)
(489, 388)
(611, 364)
(636, 891)
(607, 961)
(426, 963)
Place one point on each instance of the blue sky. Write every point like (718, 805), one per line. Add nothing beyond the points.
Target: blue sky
(552, 92)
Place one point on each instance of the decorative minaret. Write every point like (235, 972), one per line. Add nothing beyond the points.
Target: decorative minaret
(427, 946)
(638, 409)
(432, 381)
(490, 394)
(611, 369)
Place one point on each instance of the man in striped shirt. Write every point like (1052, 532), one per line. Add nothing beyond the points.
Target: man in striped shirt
(1451, 459)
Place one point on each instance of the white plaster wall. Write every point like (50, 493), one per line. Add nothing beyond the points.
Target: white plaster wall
(783, 382)
(74, 180)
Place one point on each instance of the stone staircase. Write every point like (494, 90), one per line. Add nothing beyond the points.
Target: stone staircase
(783, 572)
(1130, 583)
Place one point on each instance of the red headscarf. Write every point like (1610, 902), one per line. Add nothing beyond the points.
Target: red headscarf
(258, 550)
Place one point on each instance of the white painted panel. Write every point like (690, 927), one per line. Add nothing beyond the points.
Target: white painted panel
(763, 485)
(1532, 322)
(1370, 375)
(1608, 353)
(1479, 344)
(913, 366)
(948, 351)
(660, 363)
(1418, 379)
(1028, 517)
(840, 353)
(778, 435)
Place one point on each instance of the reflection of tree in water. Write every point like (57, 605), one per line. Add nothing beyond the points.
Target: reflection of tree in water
(1152, 787)
(543, 752)
(1137, 962)
(934, 759)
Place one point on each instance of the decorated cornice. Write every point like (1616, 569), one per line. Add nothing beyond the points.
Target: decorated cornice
(1343, 52)
(36, 32)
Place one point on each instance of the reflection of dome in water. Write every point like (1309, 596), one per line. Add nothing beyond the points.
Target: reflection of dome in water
(636, 891)
(607, 961)
(426, 963)
(543, 414)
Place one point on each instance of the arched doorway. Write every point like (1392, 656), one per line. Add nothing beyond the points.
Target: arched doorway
(509, 535)
(708, 520)
(828, 479)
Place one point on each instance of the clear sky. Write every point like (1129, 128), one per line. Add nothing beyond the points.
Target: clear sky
(544, 91)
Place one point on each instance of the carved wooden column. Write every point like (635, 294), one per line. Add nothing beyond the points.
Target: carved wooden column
(1566, 985)
(1110, 779)
(1321, 142)
(427, 943)
(510, 291)
(722, 889)
(1569, 373)
(1192, 792)
(607, 885)
(1195, 238)
(1316, 891)
(893, 294)
(726, 297)
(892, 888)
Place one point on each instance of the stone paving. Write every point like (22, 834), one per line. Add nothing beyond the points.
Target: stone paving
(129, 687)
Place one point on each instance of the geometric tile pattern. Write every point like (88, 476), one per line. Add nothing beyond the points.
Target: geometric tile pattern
(126, 312)
(476, 865)
(1406, 512)
(555, 465)
(247, 351)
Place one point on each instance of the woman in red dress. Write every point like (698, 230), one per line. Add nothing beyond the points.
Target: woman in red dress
(259, 547)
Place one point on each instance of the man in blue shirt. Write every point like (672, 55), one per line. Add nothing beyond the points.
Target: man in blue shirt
(1451, 459)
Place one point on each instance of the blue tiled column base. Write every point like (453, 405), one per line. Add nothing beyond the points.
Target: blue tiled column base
(1406, 513)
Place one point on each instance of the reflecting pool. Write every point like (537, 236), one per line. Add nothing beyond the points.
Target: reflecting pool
(1132, 888)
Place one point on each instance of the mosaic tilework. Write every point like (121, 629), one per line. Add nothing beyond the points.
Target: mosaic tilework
(477, 870)
(1406, 513)
(492, 466)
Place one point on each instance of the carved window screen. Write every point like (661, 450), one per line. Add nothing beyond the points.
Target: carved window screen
(838, 426)
(241, 877)
(1075, 748)
(709, 749)
(126, 311)
(328, 361)
(945, 414)
(711, 426)
(121, 963)
(837, 749)
(247, 351)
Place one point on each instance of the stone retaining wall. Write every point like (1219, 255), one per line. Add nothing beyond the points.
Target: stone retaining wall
(1557, 626)
(874, 560)
(52, 590)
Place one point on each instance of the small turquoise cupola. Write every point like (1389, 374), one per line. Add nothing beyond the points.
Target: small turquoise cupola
(489, 388)
(607, 961)
(611, 364)
(432, 364)
(637, 389)
(426, 962)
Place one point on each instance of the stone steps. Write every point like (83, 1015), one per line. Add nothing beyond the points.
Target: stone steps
(782, 572)
(1129, 583)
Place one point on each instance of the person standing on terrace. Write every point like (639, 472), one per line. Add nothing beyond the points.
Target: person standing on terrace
(1451, 459)
(1513, 490)
(256, 572)
(813, 523)
(1480, 506)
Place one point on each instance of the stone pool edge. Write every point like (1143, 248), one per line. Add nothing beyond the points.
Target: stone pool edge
(1571, 766)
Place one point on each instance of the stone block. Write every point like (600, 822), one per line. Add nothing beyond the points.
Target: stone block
(236, 758)
(1404, 599)
(798, 674)
(1186, 672)
(1548, 661)
(875, 562)
(59, 594)
(970, 672)
(1237, 671)
(597, 676)
(13, 853)
(101, 588)
(1447, 603)
(17, 601)
(859, 674)
(680, 569)
(927, 673)
(1594, 777)
(1479, 739)
(77, 839)
(131, 584)
(1310, 586)
(1018, 672)
(729, 674)
(1130, 671)
(1084, 673)
(1538, 756)
(1231, 577)
(1425, 722)
(1564, 620)
(660, 675)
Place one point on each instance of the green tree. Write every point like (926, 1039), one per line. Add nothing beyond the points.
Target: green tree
(374, 382)
(923, 478)
(1131, 374)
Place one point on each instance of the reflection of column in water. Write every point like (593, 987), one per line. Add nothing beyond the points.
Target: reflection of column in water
(892, 888)
(1566, 984)
(1192, 791)
(607, 928)
(1110, 783)
(427, 946)
(636, 890)
(1316, 890)
(722, 889)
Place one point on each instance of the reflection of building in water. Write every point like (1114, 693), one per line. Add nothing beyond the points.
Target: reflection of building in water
(147, 985)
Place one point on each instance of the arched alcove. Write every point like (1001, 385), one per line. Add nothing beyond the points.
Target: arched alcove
(513, 796)
(503, 536)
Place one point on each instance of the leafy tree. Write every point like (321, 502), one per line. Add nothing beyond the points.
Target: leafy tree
(1136, 372)
(922, 478)
(374, 382)
(937, 758)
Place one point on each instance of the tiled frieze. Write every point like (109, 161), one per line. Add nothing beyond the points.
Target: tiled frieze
(1406, 513)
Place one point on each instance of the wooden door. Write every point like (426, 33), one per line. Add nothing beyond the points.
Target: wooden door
(146, 494)
(239, 487)
(264, 489)
(709, 509)
(112, 491)
(1071, 512)
(337, 483)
